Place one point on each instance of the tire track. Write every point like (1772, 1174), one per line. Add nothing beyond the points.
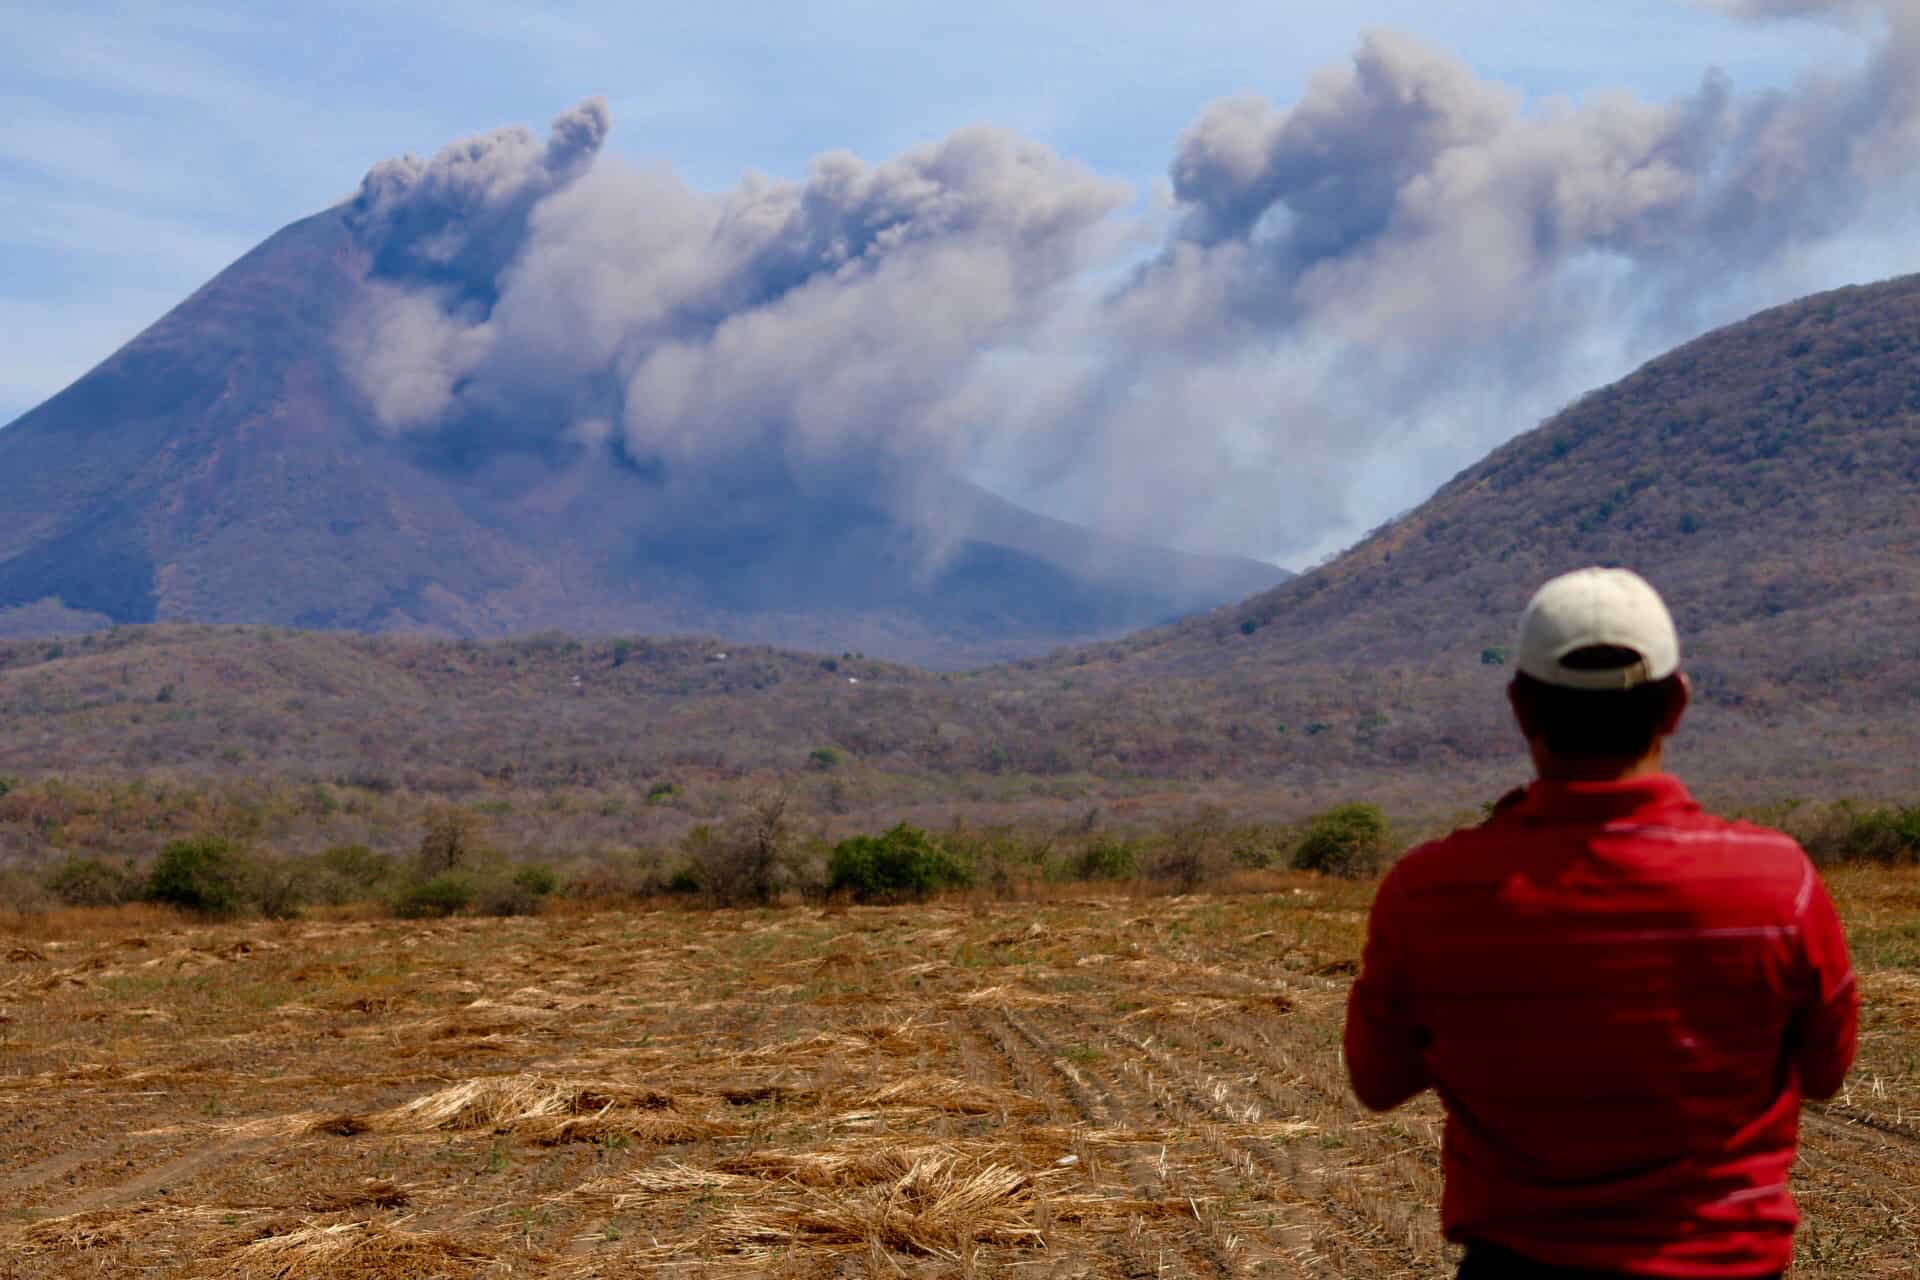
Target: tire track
(1841, 1113)
(1879, 1165)
(1038, 1075)
(14, 1186)
(1185, 1253)
(1297, 1091)
(1148, 1178)
(159, 1178)
(1369, 1234)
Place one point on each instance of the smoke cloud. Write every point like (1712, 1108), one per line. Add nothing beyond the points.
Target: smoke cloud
(1353, 295)
(847, 312)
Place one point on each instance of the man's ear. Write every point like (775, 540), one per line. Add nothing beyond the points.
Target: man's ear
(1679, 695)
(1522, 709)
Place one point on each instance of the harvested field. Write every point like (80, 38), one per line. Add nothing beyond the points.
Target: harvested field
(1104, 1086)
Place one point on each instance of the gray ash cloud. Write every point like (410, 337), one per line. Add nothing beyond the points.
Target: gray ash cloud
(1357, 293)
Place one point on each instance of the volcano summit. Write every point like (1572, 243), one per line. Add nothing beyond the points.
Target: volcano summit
(506, 390)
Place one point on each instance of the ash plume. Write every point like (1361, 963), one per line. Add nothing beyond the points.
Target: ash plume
(1364, 291)
(1353, 296)
(850, 311)
(461, 215)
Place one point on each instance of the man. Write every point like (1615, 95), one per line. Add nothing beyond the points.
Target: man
(1620, 999)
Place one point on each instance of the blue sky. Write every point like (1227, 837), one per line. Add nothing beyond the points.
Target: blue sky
(151, 144)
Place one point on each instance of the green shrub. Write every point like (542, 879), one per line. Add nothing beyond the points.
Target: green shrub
(441, 895)
(1849, 833)
(522, 894)
(823, 759)
(200, 875)
(663, 793)
(1251, 857)
(1106, 859)
(357, 865)
(537, 880)
(1350, 840)
(88, 882)
(900, 865)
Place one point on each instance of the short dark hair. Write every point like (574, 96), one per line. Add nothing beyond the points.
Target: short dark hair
(1589, 724)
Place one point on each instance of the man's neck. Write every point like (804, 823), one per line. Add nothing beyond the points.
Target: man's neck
(1553, 768)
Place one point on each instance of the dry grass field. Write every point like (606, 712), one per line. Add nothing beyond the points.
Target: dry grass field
(1114, 1087)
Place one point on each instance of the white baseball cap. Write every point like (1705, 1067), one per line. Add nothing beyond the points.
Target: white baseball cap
(1601, 609)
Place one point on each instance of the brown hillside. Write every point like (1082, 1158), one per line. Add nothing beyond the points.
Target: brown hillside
(1766, 476)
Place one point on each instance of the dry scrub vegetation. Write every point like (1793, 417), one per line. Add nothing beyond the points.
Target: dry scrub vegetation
(1115, 1086)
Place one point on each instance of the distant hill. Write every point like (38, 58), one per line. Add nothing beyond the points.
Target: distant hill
(1766, 477)
(221, 468)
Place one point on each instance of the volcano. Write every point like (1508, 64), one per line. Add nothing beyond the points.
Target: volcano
(235, 464)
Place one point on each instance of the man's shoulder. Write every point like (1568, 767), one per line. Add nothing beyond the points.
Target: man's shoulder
(1440, 857)
(1678, 844)
(1700, 828)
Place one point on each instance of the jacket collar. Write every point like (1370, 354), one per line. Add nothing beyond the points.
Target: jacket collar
(1603, 801)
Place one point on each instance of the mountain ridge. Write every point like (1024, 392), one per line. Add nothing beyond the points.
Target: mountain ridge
(1766, 477)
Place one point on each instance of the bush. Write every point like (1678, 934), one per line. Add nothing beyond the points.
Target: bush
(742, 864)
(279, 888)
(537, 880)
(1848, 833)
(200, 875)
(1196, 850)
(357, 865)
(351, 873)
(442, 895)
(1001, 859)
(522, 894)
(1350, 840)
(88, 882)
(900, 865)
(448, 844)
(1107, 859)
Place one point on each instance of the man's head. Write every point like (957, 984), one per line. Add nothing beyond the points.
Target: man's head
(1599, 687)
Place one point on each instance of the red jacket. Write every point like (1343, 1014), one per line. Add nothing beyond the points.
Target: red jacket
(1621, 1000)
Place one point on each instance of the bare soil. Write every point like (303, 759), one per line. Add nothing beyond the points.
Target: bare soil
(1103, 1086)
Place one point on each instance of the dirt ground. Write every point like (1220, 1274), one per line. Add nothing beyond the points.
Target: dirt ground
(1103, 1086)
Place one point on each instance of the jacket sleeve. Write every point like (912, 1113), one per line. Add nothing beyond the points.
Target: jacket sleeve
(1826, 1030)
(1383, 1044)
